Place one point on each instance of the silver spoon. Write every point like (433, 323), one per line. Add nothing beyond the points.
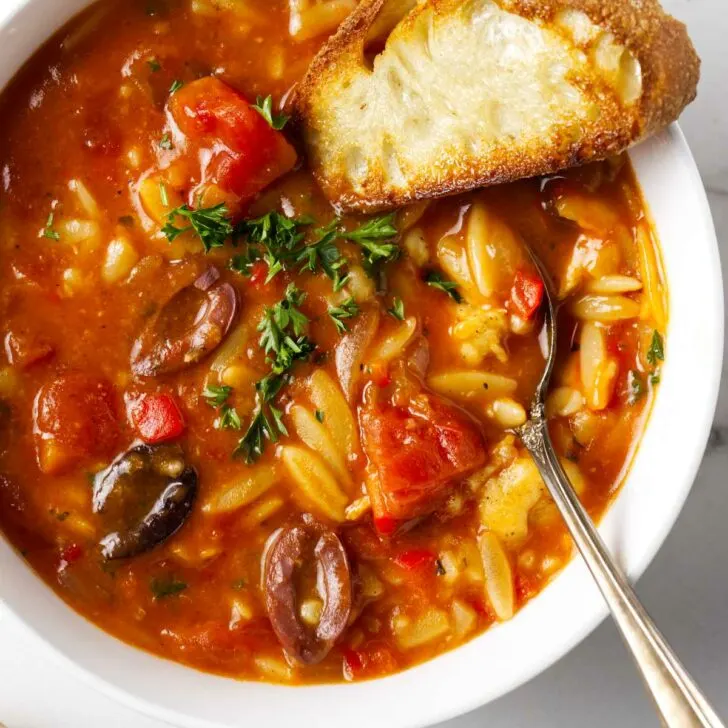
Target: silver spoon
(679, 702)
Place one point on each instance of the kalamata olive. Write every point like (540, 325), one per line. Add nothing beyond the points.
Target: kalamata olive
(306, 553)
(187, 328)
(143, 497)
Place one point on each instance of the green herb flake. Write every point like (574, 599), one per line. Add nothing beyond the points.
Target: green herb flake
(163, 194)
(348, 309)
(319, 415)
(251, 444)
(324, 253)
(656, 352)
(48, 231)
(636, 387)
(176, 86)
(264, 106)
(154, 65)
(166, 141)
(371, 237)
(166, 587)
(397, 309)
(211, 225)
(229, 419)
(436, 280)
(216, 395)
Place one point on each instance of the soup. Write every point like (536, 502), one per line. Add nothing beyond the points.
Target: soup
(247, 434)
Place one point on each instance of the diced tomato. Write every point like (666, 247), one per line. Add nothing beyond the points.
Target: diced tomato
(74, 419)
(72, 552)
(372, 660)
(386, 525)
(417, 453)
(258, 272)
(157, 417)
(526, 294)
(415, 559)
(247, 154)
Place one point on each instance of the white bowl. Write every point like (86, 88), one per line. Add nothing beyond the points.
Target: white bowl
(550, 625)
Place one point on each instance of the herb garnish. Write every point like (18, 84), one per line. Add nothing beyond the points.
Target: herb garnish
(319, 415)
(229, 418)
(166, 141)
(283, 340)
(216, 395)
(264, 106)
(211, 224)
(154, 65)
(436, 280)
(278, 235)
(325, 253)
(397, 309)
(166, 587)
(176, 86)
(370, 237)
(636, 385)
(655, 354)
(48, 231)
(348, 309)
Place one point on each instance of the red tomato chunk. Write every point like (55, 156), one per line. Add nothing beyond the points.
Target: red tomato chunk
(417, 453)
(74, 420)
(246, 153)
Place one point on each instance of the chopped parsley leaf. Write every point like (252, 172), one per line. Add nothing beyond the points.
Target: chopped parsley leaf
(154, 65)
(435, 279)
(251, 444)
(216, 395)
(48, 231)
(656, 352)
(397, 309)
(264, 106)
(211, 224)
(278, 235)
(636, 385)
(371, 236)
(324, 252)
(229, 418)
(319, 415)
(176, 86)
(167, 587)
(163, 194)
(278, 420)
(348, 309)
(166, 141)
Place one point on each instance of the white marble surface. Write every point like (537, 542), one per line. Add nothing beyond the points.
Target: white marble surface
(686, 587)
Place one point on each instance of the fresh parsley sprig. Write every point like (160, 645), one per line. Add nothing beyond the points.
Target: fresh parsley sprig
(283, 339)
(211, 224)
(264, 106)
(216, 395)
(397, 310)
(348, 309)
(436, 280)
(376, 239)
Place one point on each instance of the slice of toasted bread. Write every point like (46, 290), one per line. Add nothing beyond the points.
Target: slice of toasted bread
(466, 93)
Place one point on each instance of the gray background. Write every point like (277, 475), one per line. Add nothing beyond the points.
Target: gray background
(685, 589)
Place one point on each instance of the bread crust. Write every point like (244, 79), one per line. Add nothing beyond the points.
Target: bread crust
(670, 71)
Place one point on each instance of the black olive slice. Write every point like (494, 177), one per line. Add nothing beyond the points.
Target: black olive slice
(143, 497)
(291, 551)
(187, 328)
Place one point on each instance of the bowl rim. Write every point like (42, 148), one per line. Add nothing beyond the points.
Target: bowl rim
(421, 708)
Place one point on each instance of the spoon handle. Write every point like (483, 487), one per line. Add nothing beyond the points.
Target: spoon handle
(679, 702)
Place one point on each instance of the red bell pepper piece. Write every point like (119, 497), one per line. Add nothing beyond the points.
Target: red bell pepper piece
(157, 418)
(526, 294)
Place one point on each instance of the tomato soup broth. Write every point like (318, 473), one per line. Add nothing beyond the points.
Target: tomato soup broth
(251, 436)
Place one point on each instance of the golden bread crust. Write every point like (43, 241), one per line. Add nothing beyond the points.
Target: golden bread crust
(668, 65)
